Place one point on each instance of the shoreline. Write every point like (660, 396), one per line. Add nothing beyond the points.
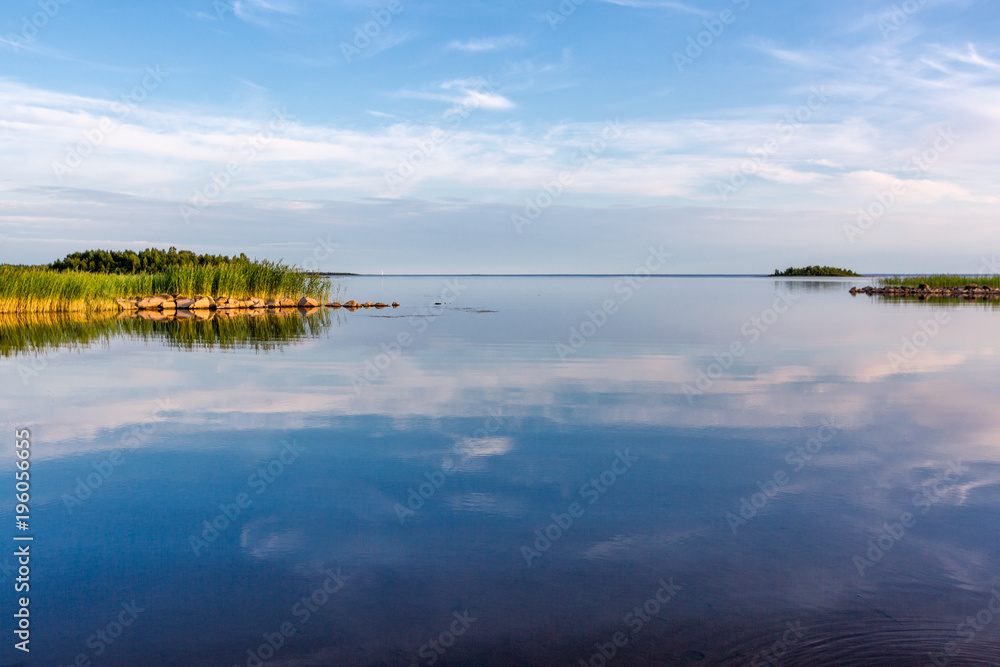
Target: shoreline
(969, 292)
(167, 303)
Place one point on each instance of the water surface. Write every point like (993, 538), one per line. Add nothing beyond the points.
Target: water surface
(515, 476)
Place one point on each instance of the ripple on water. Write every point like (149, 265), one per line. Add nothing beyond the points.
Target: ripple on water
(860, 640)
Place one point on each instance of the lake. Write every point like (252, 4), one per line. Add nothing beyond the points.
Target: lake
(604, 470)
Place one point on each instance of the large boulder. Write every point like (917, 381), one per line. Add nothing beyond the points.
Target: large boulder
(203, 301)
(287, 303)
(197, 303)
(352, 304)
(150, 303)
(308, 302)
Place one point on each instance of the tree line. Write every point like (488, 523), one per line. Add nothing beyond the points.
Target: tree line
(150, 260)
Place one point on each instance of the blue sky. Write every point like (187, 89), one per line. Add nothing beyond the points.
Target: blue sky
(527, 136)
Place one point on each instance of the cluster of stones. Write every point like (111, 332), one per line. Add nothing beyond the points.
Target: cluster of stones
(200, 302)
(971, 292)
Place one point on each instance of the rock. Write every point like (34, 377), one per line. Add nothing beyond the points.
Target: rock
(334, 304)
(255, 302)
(150, 303)
(923, 286)
(169, 305)
(368, 304)
(854, 291)
(352, 304)
(395, 304)
(287, 303)
(972, 286)
(308, 302)
(273, 303)
(197, 303)
(381, 305)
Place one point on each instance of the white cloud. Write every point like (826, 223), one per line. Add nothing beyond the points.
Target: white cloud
(487, 44)
(660, 4)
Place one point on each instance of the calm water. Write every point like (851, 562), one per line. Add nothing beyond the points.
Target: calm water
(702, 478)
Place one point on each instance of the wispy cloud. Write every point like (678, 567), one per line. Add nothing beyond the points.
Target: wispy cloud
(254, 11)
(473, 93)
(487, 44)
(660, 4)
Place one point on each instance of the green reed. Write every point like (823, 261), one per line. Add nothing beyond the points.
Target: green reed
(35, 289)
(938, 281)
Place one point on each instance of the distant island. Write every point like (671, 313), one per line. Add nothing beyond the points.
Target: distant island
(815, 272)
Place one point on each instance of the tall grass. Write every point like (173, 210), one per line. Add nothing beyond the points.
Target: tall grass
(30, 289)
(938, 281)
